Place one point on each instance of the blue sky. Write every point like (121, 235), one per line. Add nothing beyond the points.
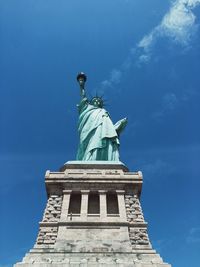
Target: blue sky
(144, 56)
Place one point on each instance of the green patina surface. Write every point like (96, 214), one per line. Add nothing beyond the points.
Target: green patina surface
(99, 137)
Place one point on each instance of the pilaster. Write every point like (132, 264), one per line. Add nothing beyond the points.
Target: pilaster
(121, 204)
(65, 205)
(84, 204)
(103, 205)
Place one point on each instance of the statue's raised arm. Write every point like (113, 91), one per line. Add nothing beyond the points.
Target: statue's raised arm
(82, 78)
(99, 137)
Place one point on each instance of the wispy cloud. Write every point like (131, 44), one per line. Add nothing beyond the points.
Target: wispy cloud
(168, 103)
(115, 78)
(178, 25)
(193, 235)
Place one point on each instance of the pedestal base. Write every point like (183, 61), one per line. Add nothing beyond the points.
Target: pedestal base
(91, 260)
(93, 218)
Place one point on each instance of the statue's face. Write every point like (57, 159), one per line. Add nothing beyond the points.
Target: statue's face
(97, 102)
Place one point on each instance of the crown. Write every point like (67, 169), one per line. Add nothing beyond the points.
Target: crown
(97, 101)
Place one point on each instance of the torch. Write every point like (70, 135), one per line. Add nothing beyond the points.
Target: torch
(82, 78)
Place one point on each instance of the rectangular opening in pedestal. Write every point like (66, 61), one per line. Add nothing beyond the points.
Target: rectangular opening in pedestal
(112, 203)
(75, 203)
(93, 203)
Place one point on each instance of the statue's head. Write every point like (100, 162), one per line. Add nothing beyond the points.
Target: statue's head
(97, 102)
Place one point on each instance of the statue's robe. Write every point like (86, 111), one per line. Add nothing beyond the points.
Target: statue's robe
(98, 137)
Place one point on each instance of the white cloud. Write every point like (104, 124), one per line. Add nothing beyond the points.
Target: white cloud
(144, 58)
(115, 78)
(178, 25)
(170, 101)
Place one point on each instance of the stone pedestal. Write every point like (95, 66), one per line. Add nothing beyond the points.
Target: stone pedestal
(93, 217)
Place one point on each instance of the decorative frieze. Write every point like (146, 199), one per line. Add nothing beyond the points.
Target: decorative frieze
(53, 209)
(133, 208)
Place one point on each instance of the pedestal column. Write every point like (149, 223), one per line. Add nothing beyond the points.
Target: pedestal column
(121, 204)
(103, 205)
(84, 204)
(65, 205)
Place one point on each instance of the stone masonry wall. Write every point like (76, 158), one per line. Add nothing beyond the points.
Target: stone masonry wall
(133, 208)
(48, 233)
(53, 209)
(138, 235)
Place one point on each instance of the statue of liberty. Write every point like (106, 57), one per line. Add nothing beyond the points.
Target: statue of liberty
(99, 137)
